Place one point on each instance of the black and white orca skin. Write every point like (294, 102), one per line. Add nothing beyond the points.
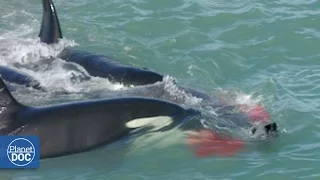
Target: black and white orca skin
(80, 126)
(96, 65)
(106, 67)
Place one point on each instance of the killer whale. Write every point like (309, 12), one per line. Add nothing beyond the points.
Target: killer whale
(77, 127)
(96, 65)
(106, 67)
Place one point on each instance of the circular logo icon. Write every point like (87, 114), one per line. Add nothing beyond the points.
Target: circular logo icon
(21, 152)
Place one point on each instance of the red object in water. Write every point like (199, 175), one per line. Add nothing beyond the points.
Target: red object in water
(256, 113)
(207, 143)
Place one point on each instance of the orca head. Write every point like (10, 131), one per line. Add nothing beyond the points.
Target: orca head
(158, 115)
(155, 123)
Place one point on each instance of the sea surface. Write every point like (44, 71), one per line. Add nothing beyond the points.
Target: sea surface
(267, 50)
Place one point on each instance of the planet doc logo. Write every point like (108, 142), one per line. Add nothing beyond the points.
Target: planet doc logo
(21, 152)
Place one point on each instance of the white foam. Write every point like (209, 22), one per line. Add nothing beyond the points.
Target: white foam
(16, 48)
(237, 97)
(27, 50)
(175, 91)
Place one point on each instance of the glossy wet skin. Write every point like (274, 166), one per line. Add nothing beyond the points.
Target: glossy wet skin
(215, 114)
(255, 122)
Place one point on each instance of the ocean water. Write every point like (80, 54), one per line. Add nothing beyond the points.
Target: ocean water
(267, 50)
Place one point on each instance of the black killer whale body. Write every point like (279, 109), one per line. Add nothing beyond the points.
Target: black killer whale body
(96, 65)
(100, 65)
(14, 76)
(77, 127)
(106, 67)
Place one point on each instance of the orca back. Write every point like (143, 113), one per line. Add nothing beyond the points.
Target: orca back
(14, 76)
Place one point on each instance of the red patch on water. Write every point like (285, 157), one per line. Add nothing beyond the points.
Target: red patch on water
(256, 113)
(207, 143)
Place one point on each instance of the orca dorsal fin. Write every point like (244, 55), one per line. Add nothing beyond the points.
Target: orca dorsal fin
(50, 30)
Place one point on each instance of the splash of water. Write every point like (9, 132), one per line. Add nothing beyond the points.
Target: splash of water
(38, 60)
(175, 91)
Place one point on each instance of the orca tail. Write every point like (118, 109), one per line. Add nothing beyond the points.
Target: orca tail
(50, 31)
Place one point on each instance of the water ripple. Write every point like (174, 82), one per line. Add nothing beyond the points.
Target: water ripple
(265, 48)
